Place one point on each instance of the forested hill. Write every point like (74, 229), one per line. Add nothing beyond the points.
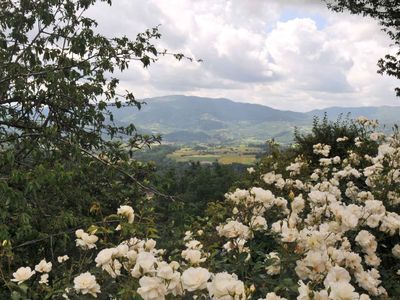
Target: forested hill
(187, 119)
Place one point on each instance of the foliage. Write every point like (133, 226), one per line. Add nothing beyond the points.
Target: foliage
(331, 235)
(328, 132)
(56, 82)
(194, 186)
(317, 221)
(157, 154)
(62, 162)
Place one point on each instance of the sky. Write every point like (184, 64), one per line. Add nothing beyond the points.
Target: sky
(287, 54)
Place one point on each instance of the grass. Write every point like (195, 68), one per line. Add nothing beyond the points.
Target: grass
(224, 155)
(239, 159)
(195, 158)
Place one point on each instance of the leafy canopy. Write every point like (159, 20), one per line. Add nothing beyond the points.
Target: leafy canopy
(59, 153)
(56, 74)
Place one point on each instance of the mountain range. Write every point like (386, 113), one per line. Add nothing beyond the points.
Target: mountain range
(188, 119)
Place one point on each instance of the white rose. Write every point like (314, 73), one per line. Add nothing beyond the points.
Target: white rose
(343, 290)
(226, 286)
(250, 170)
(192, 256)
(276, 227)
(44, 279)
(258, 222)
(342, 139)
(280, 183)
(304, 291)
(85, 240)
(396, 251)
(145, 262)
(372, 260)
(335, 275)
(150, 244)
(266, 197)
(314, 176)
(165, 271)
(375, 136)
(113, 268)
(22, 274)
(132, 255)
(86, 283)
(194, 244)
(269, 178)
(43, 266)
(234, 229)
(274, 267)
(174, 265)
(63, 258)
(127, 212)
(195, 279)
(121, 250)
(367, 241)
(104, 257)
(273, 296)
(297, 204)
(173, 278)
(188, 235)
(151, 288)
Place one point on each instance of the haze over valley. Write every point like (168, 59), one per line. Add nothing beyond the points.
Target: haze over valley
(189, 119)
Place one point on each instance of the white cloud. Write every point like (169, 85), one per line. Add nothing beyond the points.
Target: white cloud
(287, 54)
(306, 58)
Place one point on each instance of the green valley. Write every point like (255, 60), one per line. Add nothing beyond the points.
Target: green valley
(191, 120)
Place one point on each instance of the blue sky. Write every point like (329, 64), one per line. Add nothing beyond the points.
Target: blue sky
(287, 54)
(288, 14)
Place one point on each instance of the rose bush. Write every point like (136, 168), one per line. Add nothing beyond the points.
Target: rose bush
(323, 225)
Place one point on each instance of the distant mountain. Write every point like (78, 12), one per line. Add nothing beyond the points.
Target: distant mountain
(189, 119)
(194, 111)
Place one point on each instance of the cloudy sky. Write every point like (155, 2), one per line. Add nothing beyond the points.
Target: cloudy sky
(287, 54)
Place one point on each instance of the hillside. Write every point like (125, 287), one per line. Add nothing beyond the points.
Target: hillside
(189, 119)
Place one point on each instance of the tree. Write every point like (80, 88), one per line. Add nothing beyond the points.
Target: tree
(56, 74)
(60, 163)
(387, 12)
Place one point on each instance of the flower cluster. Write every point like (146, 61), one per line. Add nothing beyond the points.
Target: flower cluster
(329, 221)
(322, 149)
(333, 233)
(85, 240)
(25, 273)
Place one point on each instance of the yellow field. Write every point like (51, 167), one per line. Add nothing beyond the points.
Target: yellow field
(223, 155)
(240, 159)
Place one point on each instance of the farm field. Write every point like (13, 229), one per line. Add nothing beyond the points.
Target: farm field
(241, 154)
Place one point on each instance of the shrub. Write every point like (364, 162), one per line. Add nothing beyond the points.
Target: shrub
(331, 235)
